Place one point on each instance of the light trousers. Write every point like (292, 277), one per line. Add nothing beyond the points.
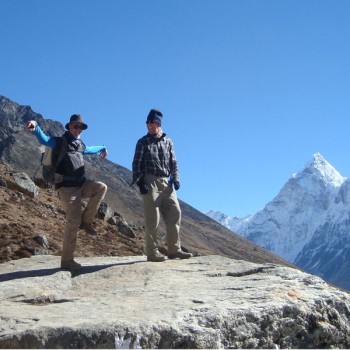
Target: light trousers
(70, 198)
(161, 200)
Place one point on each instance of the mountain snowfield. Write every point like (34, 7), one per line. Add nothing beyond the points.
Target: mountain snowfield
(307, 223)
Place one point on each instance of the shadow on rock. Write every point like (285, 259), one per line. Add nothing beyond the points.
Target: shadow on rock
(47, 272)
(27, 274)
(91, 269)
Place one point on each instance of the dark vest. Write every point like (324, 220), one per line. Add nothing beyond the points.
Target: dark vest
(72, 165)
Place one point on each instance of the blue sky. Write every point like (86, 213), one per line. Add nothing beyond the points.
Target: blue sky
(249, 89)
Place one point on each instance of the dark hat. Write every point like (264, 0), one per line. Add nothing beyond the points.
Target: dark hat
(155, 116)
(77, 118)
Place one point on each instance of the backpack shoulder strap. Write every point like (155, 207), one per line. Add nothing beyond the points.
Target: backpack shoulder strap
(61, 149)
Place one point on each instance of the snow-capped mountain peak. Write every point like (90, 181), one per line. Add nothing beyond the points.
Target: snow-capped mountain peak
(286, 224)
(320, 168)
(307, 223)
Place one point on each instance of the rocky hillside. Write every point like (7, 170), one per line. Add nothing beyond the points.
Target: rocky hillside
(23, 218)
(33, 225)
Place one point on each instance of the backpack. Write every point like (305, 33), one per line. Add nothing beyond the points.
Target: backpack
(50, 160)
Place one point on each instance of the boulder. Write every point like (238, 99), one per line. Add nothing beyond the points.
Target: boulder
(105, 212)
(202, 302)
(125, 229)
(25, 184)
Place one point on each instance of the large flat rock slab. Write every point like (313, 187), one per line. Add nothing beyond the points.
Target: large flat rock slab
(202, 302)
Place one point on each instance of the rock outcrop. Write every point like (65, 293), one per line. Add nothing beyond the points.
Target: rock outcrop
(202, 302)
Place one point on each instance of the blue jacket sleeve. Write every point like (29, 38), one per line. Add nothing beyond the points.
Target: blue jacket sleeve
(94, 149)
(49, 141)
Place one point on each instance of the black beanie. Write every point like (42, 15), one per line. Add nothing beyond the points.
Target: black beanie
(155, 115)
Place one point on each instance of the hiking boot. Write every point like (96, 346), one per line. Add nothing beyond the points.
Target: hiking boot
(156, 257)
(88, 228)
(180, 255)
(70, 265)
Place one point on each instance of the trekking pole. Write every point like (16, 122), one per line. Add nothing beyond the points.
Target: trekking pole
(136, 180)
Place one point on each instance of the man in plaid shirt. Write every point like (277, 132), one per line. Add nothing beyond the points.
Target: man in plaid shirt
(156, 173)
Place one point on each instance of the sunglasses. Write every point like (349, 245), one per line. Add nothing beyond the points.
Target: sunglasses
(77, 126)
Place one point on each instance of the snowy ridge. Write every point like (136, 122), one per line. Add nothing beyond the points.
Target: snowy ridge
(232, 223)
(308, 221)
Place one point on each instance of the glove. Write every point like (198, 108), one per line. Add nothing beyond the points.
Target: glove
(144, 189)
(176, 185)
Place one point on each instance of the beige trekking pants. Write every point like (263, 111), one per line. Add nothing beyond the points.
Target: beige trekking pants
(71, 198)
(161, 199)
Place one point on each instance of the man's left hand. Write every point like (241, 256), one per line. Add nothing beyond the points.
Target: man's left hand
(104, 154)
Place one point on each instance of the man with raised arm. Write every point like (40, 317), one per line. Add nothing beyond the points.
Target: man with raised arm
(71, 184)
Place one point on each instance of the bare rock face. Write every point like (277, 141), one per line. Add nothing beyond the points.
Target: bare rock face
(202, 302)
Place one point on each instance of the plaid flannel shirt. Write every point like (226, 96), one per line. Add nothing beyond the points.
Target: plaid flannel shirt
(155, 156)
